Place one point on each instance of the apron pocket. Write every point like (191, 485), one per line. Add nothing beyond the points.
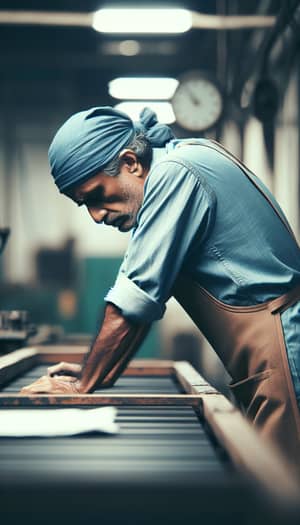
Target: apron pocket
(251, 393)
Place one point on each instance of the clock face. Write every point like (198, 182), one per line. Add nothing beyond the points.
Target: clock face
(197, 102)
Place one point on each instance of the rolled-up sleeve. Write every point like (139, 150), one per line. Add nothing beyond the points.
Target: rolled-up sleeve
(175, 217)
(133, 301)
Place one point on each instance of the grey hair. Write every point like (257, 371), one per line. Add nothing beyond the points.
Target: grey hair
(141, 146)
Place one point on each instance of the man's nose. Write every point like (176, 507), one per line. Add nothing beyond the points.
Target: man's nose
(97, 214)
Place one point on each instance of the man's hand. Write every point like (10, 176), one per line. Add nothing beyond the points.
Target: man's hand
(65, 369)
(53, 385)
(115, 345)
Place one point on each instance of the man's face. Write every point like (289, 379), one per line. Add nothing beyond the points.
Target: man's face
(115, 201)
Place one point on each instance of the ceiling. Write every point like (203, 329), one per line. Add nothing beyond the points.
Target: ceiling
(72, 65)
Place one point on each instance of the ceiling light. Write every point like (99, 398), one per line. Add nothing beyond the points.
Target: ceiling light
(129, 48)
(143, 20)
(163, 110)
(143, 88)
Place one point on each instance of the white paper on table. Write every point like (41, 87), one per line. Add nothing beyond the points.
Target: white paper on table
(57, 422)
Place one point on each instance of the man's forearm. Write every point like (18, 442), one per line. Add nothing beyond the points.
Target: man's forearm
(117, 341)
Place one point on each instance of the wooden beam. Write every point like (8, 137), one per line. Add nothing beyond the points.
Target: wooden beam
(15, 363)
(57, 353)
(191, 381)
(149, 367)
(258, 459)
(137, 367)
(42, 400)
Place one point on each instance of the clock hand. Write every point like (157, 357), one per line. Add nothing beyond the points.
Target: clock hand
(193, 97)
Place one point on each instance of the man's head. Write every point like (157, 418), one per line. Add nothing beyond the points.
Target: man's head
(115, 195)
(101, 158)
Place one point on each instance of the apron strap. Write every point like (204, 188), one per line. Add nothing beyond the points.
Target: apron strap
(282, 303)
(218, 147)
(251, 176)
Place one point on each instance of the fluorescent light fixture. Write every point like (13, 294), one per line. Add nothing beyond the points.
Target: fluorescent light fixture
(129, 48)
(143, 88)
(163, 110)
(142, 20)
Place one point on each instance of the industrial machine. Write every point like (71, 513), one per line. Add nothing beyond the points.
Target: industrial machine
(183, 453)
(15, 327)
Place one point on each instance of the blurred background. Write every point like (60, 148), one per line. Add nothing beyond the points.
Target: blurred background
(56, 58)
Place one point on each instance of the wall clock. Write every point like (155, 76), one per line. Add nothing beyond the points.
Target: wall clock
(197, 102)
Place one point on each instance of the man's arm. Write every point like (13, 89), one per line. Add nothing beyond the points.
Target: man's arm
(114, 346)
(116, 343)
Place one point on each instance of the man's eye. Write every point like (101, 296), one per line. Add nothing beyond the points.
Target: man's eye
(93, 201)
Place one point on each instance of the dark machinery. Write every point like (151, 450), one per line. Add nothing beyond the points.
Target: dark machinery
(183, 454)
(14, 324)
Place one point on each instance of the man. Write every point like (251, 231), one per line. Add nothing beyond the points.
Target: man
(205, 230)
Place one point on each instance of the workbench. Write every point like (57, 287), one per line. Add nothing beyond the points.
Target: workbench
(184, 452)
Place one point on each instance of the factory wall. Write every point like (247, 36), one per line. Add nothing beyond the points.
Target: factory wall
(40, 217)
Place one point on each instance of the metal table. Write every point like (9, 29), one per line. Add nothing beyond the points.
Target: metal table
(180, 454)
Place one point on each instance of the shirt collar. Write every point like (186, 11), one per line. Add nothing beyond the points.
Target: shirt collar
(157, 154)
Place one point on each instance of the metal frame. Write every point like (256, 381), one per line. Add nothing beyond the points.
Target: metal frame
(250, 454)
(21, 360)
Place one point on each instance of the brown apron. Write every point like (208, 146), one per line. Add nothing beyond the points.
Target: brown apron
(249, 340)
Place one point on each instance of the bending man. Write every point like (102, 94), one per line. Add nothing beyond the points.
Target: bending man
(205, 230)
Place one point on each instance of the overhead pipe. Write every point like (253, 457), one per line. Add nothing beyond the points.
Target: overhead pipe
(199, 20)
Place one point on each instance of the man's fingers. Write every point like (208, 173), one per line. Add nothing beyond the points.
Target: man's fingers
(47, 384)
(62, 368)
(67, 379)
(54, 369)
(43, 384)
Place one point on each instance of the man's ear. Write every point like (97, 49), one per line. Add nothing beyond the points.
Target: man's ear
(129, 157)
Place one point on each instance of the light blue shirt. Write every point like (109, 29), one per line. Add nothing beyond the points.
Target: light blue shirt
(201, 215)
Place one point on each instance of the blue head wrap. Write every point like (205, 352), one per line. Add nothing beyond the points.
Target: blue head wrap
(89, 140)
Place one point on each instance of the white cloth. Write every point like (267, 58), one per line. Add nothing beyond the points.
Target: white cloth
(57, 422)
